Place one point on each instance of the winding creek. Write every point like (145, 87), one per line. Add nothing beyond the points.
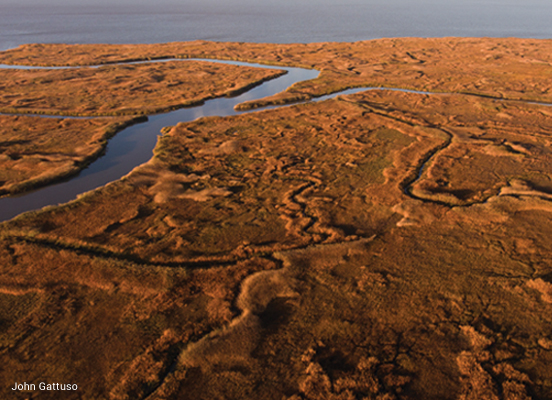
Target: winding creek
(133, 145)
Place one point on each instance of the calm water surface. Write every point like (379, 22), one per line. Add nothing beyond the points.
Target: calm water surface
(283, 21)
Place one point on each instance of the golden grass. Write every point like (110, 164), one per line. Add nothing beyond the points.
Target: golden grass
(35, 151)
(380, 246)
(509, 68)
(124, 89)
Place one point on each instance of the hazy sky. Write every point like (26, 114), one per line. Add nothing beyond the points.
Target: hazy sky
(473, 5)
(409, 3)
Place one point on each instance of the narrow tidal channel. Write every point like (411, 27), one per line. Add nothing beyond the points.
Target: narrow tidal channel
(133, 146)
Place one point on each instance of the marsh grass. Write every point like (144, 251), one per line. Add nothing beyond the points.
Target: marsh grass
(316, 275)
(124, 89)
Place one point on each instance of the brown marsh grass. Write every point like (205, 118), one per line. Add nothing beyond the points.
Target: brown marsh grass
(378, 246)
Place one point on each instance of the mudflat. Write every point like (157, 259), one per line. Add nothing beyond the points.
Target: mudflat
(382, 245)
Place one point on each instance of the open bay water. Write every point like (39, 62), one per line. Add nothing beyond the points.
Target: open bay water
(282, 21)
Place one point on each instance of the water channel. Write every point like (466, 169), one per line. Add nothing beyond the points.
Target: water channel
(133, 145)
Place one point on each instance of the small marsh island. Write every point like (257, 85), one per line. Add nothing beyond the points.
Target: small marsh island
(388, 244)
